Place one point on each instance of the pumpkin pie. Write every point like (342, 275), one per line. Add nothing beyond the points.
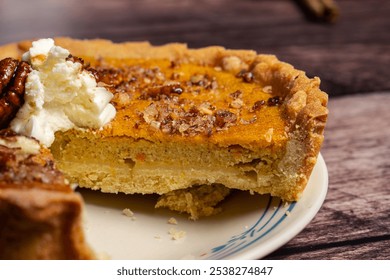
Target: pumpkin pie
(193, 124)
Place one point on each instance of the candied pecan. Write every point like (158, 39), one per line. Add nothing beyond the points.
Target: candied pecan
(12, 85)
(7, 69)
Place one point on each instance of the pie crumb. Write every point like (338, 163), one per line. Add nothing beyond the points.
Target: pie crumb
(172, 221)
(128, 213)
(176, 234)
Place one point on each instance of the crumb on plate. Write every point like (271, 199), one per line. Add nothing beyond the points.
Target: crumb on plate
(176, 234)
(172, 221)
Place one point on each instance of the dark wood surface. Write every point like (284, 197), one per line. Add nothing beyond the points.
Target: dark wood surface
(354, 222)
(351, 56)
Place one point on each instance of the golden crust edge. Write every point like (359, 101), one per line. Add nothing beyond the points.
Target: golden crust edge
(305, 108)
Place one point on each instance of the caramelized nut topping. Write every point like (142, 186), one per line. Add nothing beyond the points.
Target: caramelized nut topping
(7, 70)
(13, 75)
(184, 101)
(171, 118)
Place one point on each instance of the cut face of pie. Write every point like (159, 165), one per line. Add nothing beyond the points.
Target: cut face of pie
(193, 124)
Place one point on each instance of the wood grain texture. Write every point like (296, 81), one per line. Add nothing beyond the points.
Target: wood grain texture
(354, 222)
(351, 56)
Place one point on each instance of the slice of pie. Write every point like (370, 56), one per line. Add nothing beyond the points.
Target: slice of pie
(40, 215)
(191, 124)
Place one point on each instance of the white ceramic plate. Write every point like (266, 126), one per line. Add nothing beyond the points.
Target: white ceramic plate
(250, 227)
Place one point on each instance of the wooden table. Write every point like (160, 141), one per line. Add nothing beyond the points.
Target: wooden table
(352, 57)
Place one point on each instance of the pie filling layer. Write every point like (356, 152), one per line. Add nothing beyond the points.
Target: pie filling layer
(116, 164)
(178, 126)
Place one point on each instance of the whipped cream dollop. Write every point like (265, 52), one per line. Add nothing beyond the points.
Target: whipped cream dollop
(59, 95)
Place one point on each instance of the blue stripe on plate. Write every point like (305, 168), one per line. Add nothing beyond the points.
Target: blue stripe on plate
(235, 238)
(255, 233)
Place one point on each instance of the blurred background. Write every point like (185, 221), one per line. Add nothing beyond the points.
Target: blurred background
(350, 55)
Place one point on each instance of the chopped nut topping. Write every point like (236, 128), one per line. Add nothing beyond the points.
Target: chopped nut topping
(122, 99)
(252, 120)
(237, 103)
(274, 101)
(204, 81)
(236, 94)
(160, 92)
(258, 105)
(205, 108)
(224, 118)
(246, 76)
(174, 107)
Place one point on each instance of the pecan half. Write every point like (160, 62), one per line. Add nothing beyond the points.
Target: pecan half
(13, 75)
(7, 69)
